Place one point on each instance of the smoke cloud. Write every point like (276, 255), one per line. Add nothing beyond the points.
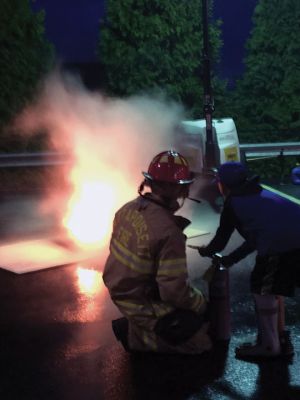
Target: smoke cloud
(124, 133)
(110, 138)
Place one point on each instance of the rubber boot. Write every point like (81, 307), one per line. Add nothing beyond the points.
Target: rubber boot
(269, 344)
(120, 329)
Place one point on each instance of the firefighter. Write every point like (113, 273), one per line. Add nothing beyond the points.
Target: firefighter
(146, 270)
(270, 225)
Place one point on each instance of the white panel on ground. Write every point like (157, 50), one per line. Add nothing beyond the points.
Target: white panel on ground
(33, 255)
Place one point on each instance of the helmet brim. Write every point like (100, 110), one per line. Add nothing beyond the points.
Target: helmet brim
(179, 182)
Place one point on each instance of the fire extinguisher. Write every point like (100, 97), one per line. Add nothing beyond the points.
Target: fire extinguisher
(217, 277)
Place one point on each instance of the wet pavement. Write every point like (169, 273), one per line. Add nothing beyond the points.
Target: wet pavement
(56, 340)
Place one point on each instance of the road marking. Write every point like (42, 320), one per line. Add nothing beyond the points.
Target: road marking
(287, 196)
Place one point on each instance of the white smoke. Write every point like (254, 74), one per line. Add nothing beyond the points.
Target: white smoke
(115, 134)
(125, 133)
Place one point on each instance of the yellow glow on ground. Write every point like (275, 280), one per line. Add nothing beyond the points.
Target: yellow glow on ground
(89, 281)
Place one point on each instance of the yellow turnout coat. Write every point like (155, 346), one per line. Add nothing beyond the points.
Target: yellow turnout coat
(146, 274)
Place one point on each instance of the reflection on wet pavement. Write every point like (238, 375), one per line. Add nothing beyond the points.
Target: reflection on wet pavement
(57, 342)
(89, 281)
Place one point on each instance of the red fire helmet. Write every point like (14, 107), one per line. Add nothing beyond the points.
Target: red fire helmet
(169, 166)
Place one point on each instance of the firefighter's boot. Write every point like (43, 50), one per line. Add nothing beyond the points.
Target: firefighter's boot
(120, 329)
(268, 345)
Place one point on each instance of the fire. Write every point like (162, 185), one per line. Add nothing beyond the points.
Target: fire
(106, 141)
(98, 192)
(90, 211)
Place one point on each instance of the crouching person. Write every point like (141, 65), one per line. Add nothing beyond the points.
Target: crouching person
(146, 271)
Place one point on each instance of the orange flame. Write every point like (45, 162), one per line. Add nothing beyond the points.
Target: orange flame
(98, 192)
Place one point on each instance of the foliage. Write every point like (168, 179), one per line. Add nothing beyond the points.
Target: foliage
(25, 56)
(268, 96)
(156, 45)
(274, 167)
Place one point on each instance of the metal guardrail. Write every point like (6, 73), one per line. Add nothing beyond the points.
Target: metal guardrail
(251, 150)
(12, 160)
(258, 150)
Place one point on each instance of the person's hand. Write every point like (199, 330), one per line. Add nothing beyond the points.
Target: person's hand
(227, 261)
(203, 251)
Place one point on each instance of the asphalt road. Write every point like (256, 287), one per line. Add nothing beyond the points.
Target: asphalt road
(57, 343)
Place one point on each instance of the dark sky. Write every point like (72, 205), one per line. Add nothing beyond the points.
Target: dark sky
(73, 26)
(237, 24)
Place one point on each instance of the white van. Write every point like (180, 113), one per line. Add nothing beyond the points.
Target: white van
(191, 142)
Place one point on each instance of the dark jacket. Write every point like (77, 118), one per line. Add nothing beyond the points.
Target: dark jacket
(269, 223)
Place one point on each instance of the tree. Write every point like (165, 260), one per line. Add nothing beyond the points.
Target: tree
(268, 96)
(149, 45)
(25, 56)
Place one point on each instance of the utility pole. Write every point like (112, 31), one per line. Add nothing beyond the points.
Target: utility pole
(208, 103)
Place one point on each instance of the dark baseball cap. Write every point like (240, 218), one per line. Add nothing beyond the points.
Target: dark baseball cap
(232, 174)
